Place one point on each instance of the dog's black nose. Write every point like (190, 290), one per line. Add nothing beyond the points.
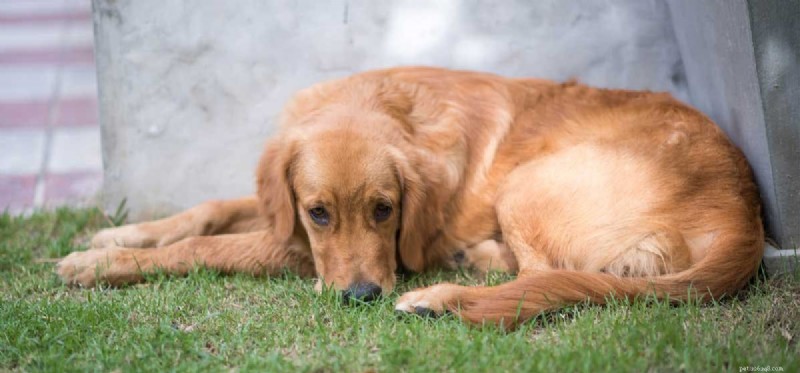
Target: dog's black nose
(363, 291)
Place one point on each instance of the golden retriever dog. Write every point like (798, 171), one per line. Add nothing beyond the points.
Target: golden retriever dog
(584, 193)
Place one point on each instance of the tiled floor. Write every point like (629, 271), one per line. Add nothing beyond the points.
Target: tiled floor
(49, 133)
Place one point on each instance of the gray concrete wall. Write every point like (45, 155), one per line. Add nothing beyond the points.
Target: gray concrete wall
(189, 90)
(741, 62)
(775, 26)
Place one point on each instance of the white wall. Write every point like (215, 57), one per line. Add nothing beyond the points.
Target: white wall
(189, 90)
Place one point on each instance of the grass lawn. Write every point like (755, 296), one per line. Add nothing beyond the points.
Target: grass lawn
(212, 322)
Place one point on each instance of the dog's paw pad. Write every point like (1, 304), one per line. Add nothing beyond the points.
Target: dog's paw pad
(425, 312)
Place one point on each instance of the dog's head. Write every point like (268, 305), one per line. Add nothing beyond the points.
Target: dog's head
(355, 194)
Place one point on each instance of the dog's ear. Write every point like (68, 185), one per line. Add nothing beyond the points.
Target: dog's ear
(275, 194)
(420, 214)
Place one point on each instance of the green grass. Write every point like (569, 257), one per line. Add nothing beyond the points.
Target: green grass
(207, 321)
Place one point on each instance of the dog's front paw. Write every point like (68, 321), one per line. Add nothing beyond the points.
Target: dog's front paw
(430, 301)
(86, 268)
(124, 236)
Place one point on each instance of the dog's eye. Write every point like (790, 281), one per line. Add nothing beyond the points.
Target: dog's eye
(319, 215)
(382, 212)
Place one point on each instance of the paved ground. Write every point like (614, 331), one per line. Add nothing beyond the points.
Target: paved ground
(49, 132)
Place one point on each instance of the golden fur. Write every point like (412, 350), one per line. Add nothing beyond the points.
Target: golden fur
(585, 193)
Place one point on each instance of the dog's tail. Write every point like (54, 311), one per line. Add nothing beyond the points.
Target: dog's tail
(731, 261)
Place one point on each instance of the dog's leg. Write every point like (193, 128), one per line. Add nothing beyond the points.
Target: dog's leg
(210, 218)
(253, 253)
(512, 256)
